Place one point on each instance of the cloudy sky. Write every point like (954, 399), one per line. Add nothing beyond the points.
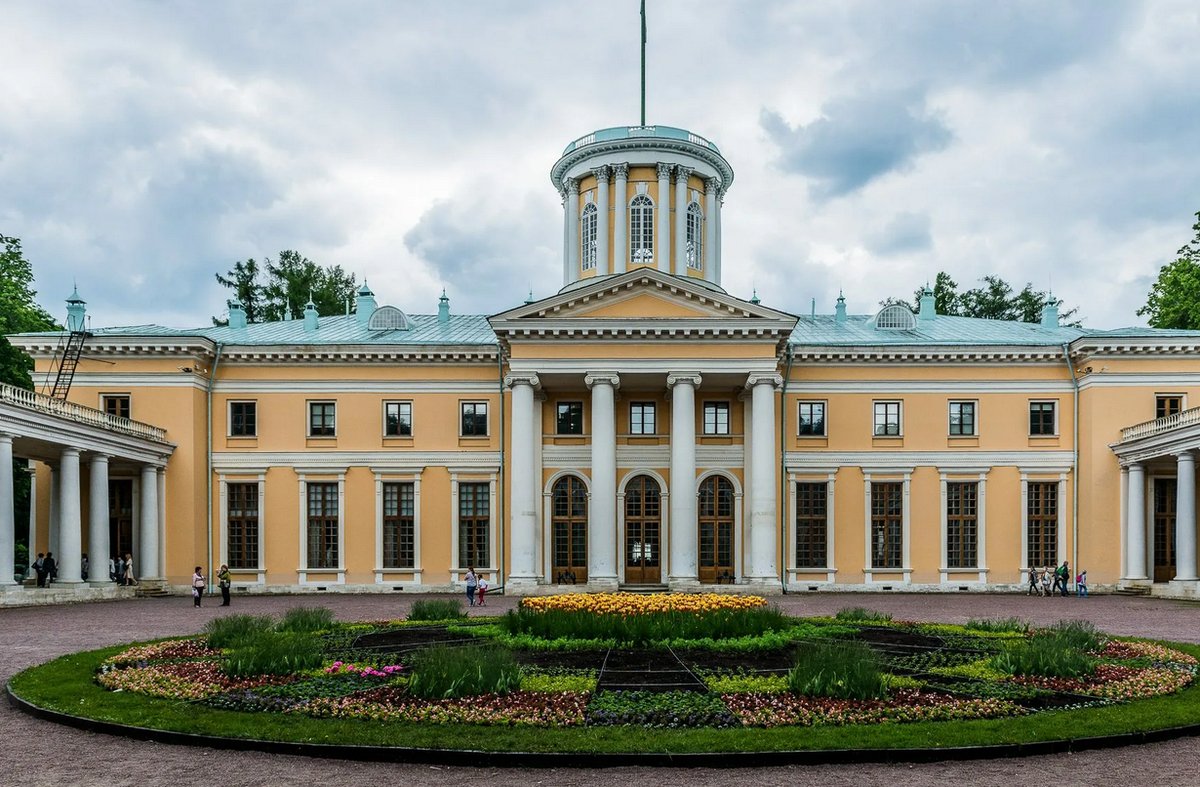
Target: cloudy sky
(146, 145)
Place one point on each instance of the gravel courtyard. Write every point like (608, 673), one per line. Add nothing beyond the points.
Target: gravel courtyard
(34, 753)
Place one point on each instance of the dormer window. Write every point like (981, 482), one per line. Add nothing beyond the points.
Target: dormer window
(387, 318)
(895, 317)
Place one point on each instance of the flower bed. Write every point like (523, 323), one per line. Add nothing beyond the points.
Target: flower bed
(905, 705)
(628, 604)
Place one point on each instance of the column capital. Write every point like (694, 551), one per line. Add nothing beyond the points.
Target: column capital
(571, 186)
(100, 458)
(602, 378)
(664, 171)
(68, 451)
(518, 378)
(601, 173)
(689, 378)
(773, 379)
(683, 173)
(1186, 456)
(621, 171)
(5, 437)
(712, 186)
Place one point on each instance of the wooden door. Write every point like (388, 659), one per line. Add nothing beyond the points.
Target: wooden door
(643, 528)
(715, 537)
(120, 521)
(569, 511)
(1165, 490)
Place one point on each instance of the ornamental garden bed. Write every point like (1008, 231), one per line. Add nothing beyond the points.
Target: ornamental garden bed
(618, 673)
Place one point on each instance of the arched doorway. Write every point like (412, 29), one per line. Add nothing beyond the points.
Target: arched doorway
(643, 529)
(715, 523)
(569, 520)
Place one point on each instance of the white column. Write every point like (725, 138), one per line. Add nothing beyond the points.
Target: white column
(523, 522)
(682, 571)
(711, 273)
(1136, 545)
(603, 260)
(681, 203)
(146, 560)
(1185, 519)
(55, 508)
(621, 219)
(571, 272)
(70, 538)
(566, 245)
(716, 258)
(32, 516)
(1124, 520)
(162, 521)
(8, 514)
(98, 546)
(764, 522)
(602, 519)
(663, 254)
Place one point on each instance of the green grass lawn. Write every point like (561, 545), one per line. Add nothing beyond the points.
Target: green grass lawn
(66, 685)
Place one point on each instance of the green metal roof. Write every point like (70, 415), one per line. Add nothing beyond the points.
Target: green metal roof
(630, 132)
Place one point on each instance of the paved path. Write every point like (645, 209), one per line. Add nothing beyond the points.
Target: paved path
(35, 753)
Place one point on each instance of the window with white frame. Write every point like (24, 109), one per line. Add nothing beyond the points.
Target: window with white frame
(322, 419)
(116, 404)
(641, 418)
(474, 419)
(1041, 512)
(695, 237)
(587, 236)
(641, 230)
(474, 523)
(1042, 419)
(887, 524)
(962, 419)
(812, 524)
(962, 524)
(399, 524)
(243, 419)
(887, 419)
(811, 419)
(242, 525)
(397, 419)
(322, 525)
(1167, 404)
(716, 418)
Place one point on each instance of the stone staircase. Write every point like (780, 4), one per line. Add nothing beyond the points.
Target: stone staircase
(643, 590)
(151, 589)
(1134, 590)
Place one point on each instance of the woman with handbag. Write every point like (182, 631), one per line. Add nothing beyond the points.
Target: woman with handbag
(224, 579)
(197, 586)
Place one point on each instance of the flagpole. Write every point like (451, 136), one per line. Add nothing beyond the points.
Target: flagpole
(643, 62)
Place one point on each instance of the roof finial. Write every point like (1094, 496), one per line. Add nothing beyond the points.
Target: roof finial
(754, 298)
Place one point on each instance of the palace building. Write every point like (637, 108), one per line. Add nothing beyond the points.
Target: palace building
(642, 427)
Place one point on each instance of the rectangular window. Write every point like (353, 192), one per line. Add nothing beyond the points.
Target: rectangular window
(322, 419)
(474, 419)
(962, 419)
(812, 419)
(887, 419)
(399, 539)
(397, 419)
(474, 510)
(117, 404)
(322, 526)
(641, 418)
(1167, 404)
(887, 525)
(1042, 516)
(962, 524)
(570, 418)
(242, 514)
(243, 419)
(1041, 418)
(716, 418)
(812, 525)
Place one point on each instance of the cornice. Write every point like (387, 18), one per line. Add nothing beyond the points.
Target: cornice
(1007, 354)
(647, 143)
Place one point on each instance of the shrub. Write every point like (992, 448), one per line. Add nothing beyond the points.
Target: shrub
(644, 629)
(1015, 625)
(556, 684)
(670, 709)
(1047, 656)
(740, 683)
(1076, 634)
(863, 615)
(273, 653)
(232, 630)
(437, 609)
(845, 670)
(306, 619)
(445, 672)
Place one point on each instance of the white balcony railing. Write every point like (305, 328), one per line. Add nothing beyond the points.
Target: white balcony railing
(41, 403)
(1160, 425)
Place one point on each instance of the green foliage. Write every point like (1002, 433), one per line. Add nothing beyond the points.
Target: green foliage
(243, 280)
(903, 682)
(437, 609)
(981, 669)
(1174, 298)
(672, 709)
(290, 280)
(1045, 655)
(744, 683)
(1015, 625)
(445, 672)
(552, 684)
(844, 670)
(19, 312)
(646, 629)
(234, 630)
(994, 300)
(1076, 634)
(862, 615)
(306, 619)
(273, 653)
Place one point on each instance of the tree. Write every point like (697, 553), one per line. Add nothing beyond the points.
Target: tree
(19, 313)
(995, 300)
(291, 280)
(1174, 299)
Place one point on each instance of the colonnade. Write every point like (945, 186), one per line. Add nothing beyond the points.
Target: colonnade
(670, 236)
(1137, 558)
(603, 547)
(66, 522)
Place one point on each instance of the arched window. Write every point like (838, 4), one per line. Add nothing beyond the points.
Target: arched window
(643, 530)
(715, 521)
(587, 236)
(895, 317)
(569, 516)
(695, 236)
(641, 230)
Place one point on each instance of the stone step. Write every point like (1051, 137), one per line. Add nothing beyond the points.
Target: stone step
(1137, 590)
(643, 590)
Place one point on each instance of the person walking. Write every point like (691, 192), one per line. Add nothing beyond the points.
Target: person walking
(127, 571)
(39, 568)
(472, 584)
(1046, 579)
(1081, 585)
(198, 586)
(50, 565)
(483, 586)
(113, 573)
(1065, 573)
(224, 580)
(1033, 582)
